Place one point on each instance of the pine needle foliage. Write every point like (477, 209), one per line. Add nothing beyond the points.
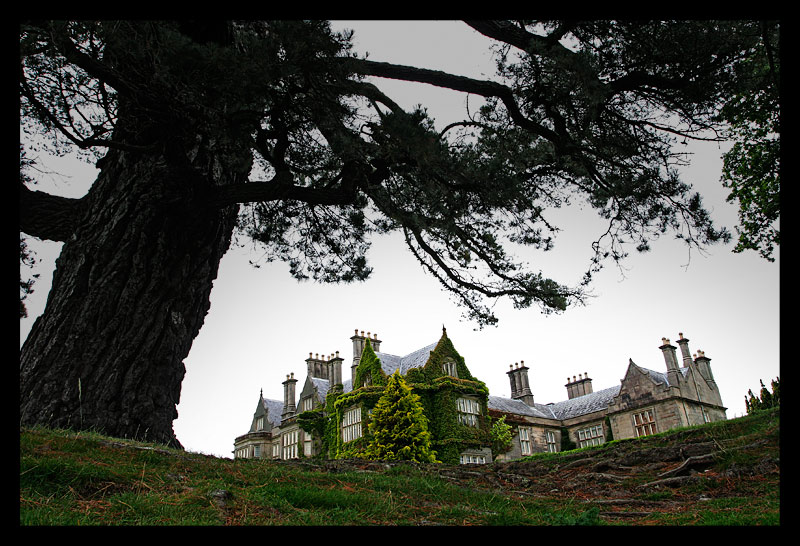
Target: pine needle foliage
(399, 427)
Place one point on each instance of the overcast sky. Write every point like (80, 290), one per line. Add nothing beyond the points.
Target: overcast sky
(263, 324)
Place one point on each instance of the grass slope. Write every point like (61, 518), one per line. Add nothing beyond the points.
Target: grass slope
(719, 474)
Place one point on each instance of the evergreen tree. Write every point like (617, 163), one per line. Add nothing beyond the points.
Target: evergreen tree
(208, 132)
(399, 427)
(369, 371)
(500, 436)
(765, 398)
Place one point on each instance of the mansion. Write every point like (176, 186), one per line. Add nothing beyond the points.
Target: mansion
(460, 409)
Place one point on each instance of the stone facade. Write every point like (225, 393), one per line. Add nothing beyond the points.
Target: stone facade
(460, 409)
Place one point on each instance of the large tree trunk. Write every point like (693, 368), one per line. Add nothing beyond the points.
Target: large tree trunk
(129, 295)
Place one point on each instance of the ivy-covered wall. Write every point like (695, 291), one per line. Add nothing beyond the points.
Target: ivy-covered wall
(437, 391)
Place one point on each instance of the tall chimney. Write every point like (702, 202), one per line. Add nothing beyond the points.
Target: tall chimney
(683, 343)
(359, 342)
(358, 348)
(520, 389)
(671, 360)
(704, 366)
(335, 375)
(289, 407)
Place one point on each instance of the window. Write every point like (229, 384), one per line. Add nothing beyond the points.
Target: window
(260, 423)
(468, 411)
(256, 451)
(472, 459)
(290, 440)
(525, 440)
(551, 441)
(276, 450)
(591, 436)
(351, 424)
(449, 367)
(307, 404)
(644, 423)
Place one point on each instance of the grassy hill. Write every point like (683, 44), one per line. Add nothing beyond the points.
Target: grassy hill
(724, 473)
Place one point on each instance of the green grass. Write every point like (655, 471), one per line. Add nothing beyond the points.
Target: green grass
(70, 479)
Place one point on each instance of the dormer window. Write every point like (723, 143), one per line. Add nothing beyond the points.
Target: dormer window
(449, 367)
(260, 423)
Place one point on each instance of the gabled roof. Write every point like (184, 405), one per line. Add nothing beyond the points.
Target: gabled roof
(390, 363)
(657, 377)
(274, 409)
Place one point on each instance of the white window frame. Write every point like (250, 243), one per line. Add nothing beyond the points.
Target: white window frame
(290, 440)
(525, 441)
(591, 436)
(644, 423)
(468, 411)
(449, 367)
(471, 458)
(351, 424)
(307, 404)
(550, 437)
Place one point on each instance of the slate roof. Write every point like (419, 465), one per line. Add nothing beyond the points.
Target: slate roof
(661, 377)
(416, 359)
(581, 405)
(519, 407)
(274, 410)
(389, 363)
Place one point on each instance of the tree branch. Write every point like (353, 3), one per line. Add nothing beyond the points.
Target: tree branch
(274, 191)
(47, 216)
(438, 78)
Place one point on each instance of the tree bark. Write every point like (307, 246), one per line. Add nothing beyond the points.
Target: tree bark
(129, 295)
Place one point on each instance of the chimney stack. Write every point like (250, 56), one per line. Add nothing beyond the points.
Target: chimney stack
(289, 407)
(359, 342)
(520, 389)
(335, 366)
(671, 360)
(579, 386)
(683, 343)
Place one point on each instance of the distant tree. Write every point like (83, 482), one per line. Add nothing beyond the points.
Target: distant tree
(268, 130)
(765, 398)
(752, 167)
(398, 427)
(500, 436)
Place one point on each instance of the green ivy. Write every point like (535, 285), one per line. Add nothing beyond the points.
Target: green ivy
(369, 365)
(436, 394)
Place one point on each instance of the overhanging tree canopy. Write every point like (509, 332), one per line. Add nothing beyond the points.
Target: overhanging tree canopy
(271, 129)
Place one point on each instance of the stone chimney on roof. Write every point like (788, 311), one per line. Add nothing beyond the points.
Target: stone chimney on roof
(683, 343)
(359, 342)
(518, 377)
(335, 369)
(579, 386)
(671, 360)
(289, 406)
